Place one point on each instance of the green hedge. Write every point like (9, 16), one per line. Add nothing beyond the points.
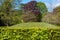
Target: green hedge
(29, 34)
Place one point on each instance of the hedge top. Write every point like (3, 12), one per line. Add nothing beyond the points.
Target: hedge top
(34, 25)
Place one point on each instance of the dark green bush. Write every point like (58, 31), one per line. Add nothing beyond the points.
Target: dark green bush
(29, 34)
(9, 19)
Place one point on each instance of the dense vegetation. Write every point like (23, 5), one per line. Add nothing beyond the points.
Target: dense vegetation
(31, 21)
(29, 8)
(30, 12)
(30, 31)
(8, 16)
(53, 17)
(37, 8)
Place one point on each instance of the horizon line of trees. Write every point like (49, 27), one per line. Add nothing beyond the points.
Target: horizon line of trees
(10, 16)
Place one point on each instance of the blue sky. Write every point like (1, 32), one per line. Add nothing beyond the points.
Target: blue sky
(49, 3)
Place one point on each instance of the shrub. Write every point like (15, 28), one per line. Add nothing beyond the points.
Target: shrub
(8, 20)
(35, 33)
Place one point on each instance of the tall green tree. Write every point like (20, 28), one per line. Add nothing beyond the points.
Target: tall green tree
(7, 15)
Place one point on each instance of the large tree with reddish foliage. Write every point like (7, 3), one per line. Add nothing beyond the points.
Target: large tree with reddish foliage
(31, 7)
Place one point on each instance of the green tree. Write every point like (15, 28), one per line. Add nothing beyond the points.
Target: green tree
(42, 7)
(7, 15)
(21, 6)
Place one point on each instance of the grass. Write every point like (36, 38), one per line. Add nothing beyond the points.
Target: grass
(34, 25)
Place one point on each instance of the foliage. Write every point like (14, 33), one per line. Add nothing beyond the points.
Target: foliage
(31, 7)
(22, 5)
(56, 10)
(8, 16)
(30, 31)
(30, 17)
(42, 7)
(53, 17)
(45, 13)
(10, 19)
(6, 6)
(38, 8)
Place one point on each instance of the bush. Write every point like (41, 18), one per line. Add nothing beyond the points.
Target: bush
(8, 20)
(35, 33)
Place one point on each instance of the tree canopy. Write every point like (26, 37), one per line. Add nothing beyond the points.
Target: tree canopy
(42, 7)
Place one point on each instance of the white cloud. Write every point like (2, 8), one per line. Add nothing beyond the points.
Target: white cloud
(53, 4)
(58, 4)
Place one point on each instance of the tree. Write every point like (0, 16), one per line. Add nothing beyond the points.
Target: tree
(8, 17)
(53, 17)
(6, 6)
(42, 7)
(31, 7)
(30, 17)
(21, 6)
(56, 10)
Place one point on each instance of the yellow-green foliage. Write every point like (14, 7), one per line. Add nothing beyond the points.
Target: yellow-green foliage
(27, 31)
